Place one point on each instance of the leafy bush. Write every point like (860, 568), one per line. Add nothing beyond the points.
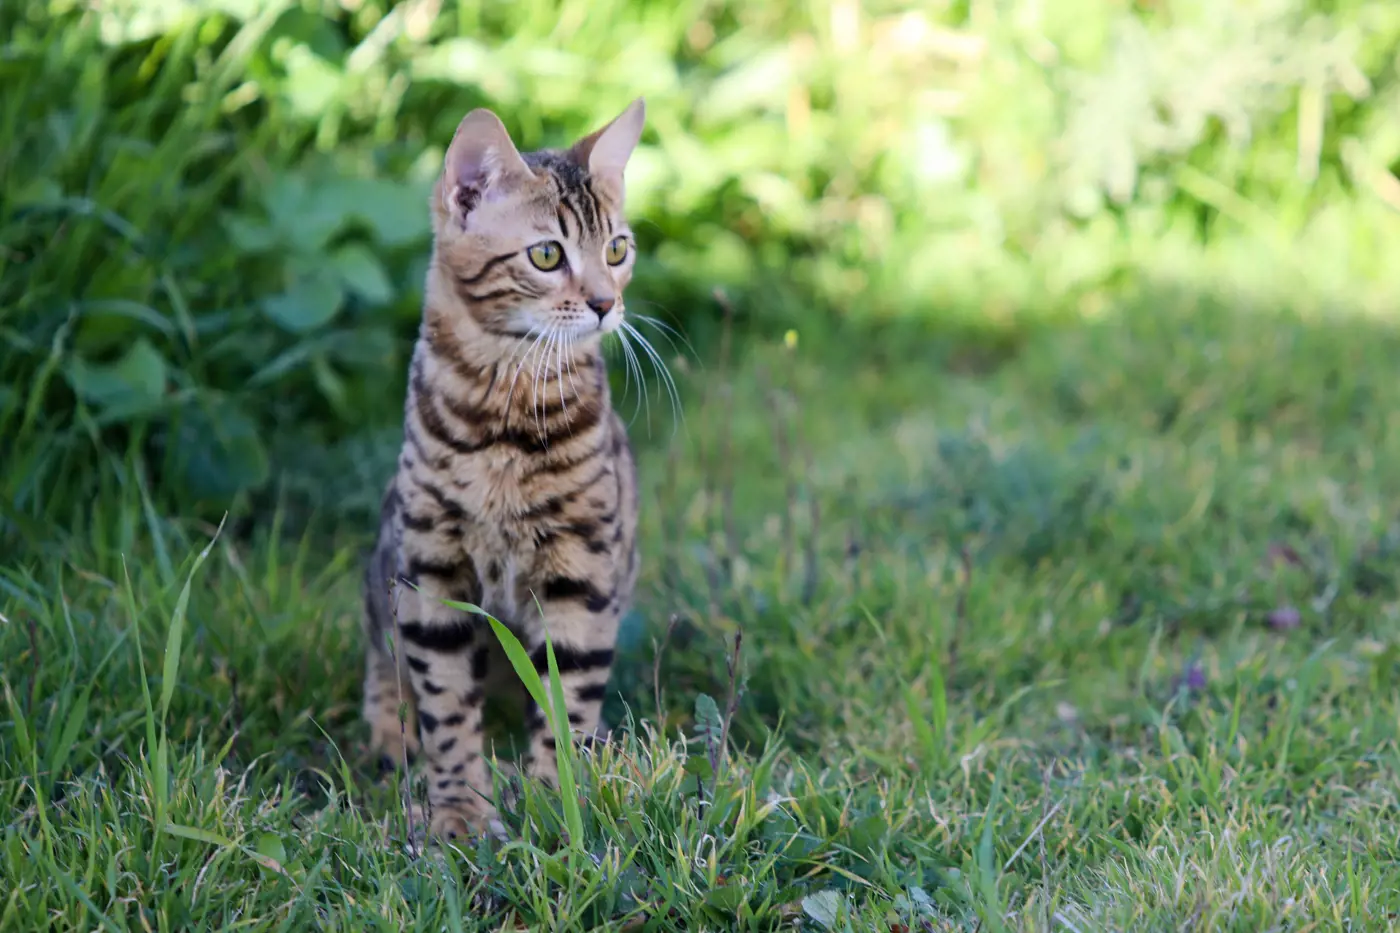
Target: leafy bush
(213, 226)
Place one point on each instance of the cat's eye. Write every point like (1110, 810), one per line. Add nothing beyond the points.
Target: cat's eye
(546, 256)
(617, 250)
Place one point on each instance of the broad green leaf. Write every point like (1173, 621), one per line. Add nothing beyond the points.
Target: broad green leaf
(312, 83)
(218, 450)
(699, 766)
(824, 908)
(249, 235)
(137, 378)
(361, 272)
(708, 722)
(395, 213)
(312, 301)
(270, 846)
(306, 214)
(727, 898)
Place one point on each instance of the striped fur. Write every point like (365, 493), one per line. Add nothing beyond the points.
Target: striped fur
(516, 488)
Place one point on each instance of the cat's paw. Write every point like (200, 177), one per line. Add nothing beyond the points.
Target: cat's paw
(393, 745)
(457, 825)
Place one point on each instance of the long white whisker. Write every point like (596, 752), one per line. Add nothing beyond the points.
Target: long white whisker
(541, 368)
(626, 367)
(517, 359)
(674, 329)
(636, 366)
(569, 361)
(524, 357)
(559, 358)
(661, 370)
(667, 331)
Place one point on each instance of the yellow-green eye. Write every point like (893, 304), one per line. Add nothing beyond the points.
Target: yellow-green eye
(546, 256)
(617, 250)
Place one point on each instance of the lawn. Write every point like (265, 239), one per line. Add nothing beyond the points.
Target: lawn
(1053, 585)
(1091, 631)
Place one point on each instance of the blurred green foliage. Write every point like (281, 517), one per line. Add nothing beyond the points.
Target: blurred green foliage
(213, 223)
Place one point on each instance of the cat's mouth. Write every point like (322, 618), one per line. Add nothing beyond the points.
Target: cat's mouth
(568, 329)
(572, 325)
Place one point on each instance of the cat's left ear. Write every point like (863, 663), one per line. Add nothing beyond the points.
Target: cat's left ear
(605, 152)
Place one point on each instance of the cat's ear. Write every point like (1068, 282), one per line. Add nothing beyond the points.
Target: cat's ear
(605, 152)
(481, 163)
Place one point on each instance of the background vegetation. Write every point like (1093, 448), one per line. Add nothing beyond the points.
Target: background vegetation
(1047, 460)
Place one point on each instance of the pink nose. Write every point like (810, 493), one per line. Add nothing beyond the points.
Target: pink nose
(601, 306)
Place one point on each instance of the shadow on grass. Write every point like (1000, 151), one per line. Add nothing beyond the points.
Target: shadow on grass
(1183, 470)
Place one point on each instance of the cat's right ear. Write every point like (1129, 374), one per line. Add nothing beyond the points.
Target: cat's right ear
(481, 164)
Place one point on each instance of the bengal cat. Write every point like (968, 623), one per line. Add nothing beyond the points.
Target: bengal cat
(516, 489)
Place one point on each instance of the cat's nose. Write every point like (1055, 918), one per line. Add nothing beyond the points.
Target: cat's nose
(601, 306)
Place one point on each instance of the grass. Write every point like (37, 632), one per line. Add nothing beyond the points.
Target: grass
(1043, 578)
(1091, 627)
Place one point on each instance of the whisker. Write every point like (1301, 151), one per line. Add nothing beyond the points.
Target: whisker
(668, 330)
(524, 358)
(661, 371)
(541, 369)
(559, 358)
(570, 362)
(635, 366)
(626, 368)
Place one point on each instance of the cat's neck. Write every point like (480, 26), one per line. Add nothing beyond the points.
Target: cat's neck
(531, 383)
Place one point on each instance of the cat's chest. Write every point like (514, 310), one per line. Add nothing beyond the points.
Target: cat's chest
(499, 568)
(501, 547)
(489, 485)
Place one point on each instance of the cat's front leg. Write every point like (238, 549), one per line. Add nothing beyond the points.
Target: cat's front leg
(447, 652)
(582, 623)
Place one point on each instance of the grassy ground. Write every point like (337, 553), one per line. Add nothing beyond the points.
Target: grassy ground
(1090, 627)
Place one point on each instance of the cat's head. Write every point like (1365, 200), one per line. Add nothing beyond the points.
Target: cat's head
(534, 243)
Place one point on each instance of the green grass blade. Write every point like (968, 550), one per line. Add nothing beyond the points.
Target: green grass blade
(171, 668)
(552, 706)
(564, 751)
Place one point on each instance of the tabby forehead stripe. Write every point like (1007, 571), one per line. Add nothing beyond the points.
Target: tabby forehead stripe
(564, 203)
(598, 212)
(585, 208)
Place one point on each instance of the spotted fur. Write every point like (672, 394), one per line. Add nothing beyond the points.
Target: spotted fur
(516, 487)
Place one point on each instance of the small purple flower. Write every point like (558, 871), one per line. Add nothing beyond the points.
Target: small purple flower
(1285, 619)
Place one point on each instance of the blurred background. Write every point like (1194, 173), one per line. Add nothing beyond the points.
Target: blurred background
(213, 227)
